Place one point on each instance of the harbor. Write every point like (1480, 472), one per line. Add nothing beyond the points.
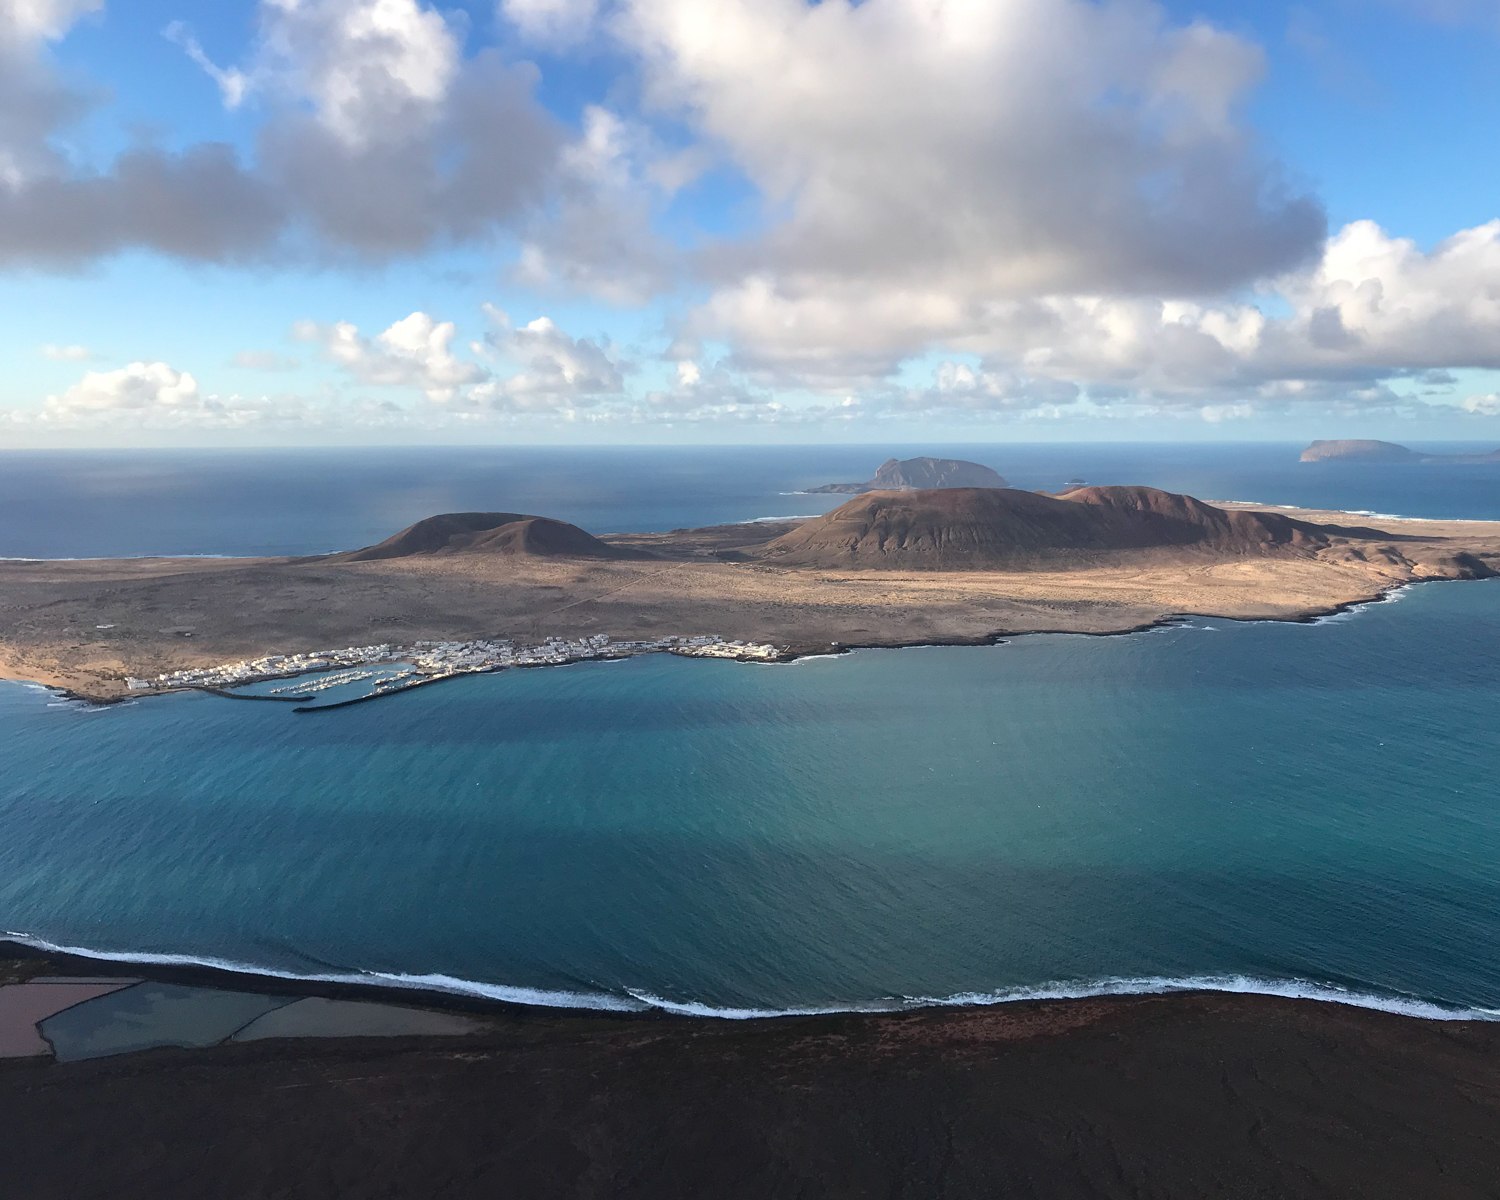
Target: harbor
(325, 678)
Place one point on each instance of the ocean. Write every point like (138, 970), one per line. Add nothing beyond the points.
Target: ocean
(1302, 808)
(254, 502)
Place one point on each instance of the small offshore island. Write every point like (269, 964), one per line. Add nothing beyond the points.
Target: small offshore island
(1369, 451)
(463, 592)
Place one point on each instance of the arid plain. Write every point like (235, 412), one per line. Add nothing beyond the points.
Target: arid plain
(85, 625)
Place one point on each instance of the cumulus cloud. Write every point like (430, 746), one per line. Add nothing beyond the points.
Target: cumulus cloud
(1060, 202)
(140, 385)
(1483, 406)
(1373, 307)
(368, 68)
(28, 20)
(381, 139)
(960, 386)
(414, 352)
(702, 393)
(535, 367)
(557, 372)
(963, 152)
(597, 238)
(195, 204)
(385, 139)
(159, 396)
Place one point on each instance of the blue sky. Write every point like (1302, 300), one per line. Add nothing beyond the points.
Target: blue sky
(345, 221)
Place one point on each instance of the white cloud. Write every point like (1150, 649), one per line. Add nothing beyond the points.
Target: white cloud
(380, 139)
(839, 334)
(535, 367)
(964, 152)
(961, 386)
(558, 372)
(27, 20)
(598, 238)
(156, 395)
(1373, 307)
(370, 68)
(65, 353)
(195, 204)
(138, 386)
(1483, 406)
(414, 352)
(552, 23)
(1376, 300)
(233, 84)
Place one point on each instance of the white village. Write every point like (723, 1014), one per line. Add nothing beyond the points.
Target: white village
(428, 661)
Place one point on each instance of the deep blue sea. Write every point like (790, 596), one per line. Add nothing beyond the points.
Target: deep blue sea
(80, 505)
(1300, 808)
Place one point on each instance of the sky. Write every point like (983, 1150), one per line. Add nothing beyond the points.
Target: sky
(346, 222)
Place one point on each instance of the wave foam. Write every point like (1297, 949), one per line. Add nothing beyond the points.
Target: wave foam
(1356, 512)
(1150, 985)
(535, 997)
(640, 1000)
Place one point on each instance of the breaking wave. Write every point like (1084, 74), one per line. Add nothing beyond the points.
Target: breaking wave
(640, 1000)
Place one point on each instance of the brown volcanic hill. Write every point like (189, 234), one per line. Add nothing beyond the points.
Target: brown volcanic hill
(1001, 528)
(490, 533)
(1182, 520)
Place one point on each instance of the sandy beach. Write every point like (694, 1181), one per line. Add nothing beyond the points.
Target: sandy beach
(84, 626)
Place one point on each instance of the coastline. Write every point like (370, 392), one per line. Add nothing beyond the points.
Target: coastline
(1186, 1086)
(12, 671)
(1187, 1095)
(443, 991)
(84, 626)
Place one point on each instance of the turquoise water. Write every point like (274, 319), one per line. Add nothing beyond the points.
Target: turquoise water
(1293, 804)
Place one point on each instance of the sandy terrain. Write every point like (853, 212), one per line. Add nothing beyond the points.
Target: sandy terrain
(168, 614)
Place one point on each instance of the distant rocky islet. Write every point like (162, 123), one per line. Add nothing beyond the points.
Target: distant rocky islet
(1372, 451)
(916, 474)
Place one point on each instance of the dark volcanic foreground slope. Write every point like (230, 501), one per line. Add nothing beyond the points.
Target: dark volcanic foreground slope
(489, 533)
(1000, 528)
(1176, 1098)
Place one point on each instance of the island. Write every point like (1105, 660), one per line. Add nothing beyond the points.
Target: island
(1367, 450)
(469, 592)
(912, 474)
